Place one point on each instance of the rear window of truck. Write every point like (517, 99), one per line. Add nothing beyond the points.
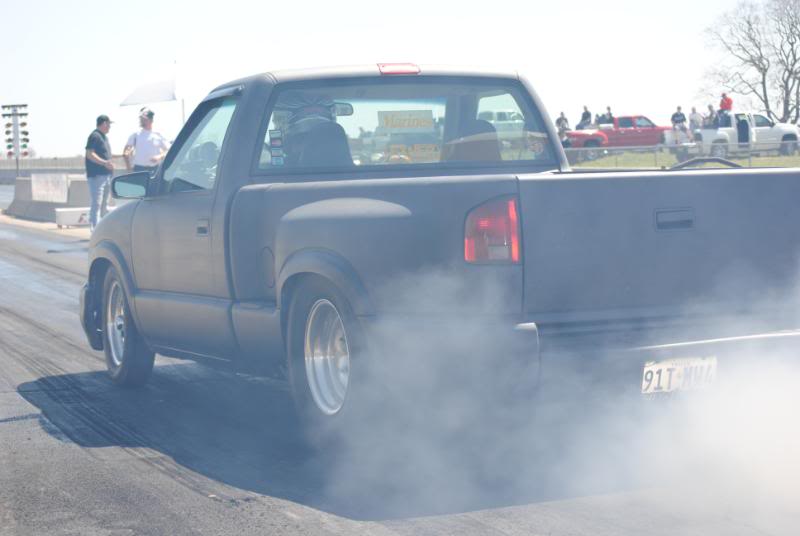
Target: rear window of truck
(341, 125)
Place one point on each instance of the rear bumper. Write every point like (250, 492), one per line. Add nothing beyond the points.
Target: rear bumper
(598, 363)
(601, 366)
(89, 317)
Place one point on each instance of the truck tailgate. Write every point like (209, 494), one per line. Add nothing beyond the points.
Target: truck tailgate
(614, 246)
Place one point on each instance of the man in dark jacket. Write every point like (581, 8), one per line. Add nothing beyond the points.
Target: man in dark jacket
(586, 119)
(679, 124)
(99, 169)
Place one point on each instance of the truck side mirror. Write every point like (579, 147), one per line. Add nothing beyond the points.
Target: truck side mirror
(130, 186)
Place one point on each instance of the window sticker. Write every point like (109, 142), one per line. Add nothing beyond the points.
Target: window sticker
(275, 138)
(276, 148)
(405, 121)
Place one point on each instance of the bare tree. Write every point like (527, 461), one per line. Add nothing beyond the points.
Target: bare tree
(761, 55)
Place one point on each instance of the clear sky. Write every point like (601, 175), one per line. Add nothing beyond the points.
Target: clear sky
(71, 61)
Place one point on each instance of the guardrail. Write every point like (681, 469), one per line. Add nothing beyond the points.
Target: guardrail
(777, 154)
(72, 163)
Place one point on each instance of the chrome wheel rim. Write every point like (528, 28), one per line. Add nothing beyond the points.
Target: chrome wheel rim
(327, 357)
(115, 322)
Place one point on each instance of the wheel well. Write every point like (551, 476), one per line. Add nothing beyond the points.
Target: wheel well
(97, 273)
(592, 143)
(290, 286)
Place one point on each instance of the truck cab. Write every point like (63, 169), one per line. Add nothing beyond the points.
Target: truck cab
(632, 131)
(624, 131)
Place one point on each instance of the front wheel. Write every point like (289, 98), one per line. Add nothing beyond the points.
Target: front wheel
(128, 358)
(591, 151)
(788, 146)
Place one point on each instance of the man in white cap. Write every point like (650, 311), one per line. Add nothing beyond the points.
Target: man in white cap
(145, 148)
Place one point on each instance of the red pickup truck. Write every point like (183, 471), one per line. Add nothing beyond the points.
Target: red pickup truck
(625, 131)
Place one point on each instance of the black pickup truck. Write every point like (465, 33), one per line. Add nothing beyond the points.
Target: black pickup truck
(296, 210)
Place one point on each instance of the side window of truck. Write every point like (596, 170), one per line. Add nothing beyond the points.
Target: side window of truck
(194, 167)
(625, 122)
(519, 139)
(762, 121)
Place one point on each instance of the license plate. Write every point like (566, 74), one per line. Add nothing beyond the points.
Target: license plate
(683, 374)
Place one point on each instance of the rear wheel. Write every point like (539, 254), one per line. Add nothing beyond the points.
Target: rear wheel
(323, 343)
(128, 358)
(719, 149)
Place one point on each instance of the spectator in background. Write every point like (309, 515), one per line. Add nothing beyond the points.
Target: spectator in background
(99, 169)
(695, 120)
(145, 147)
(566, 143)
(710, 120)
(561, 123)
(679, 123)
(724, 115)
(586, 119)
(608, 117)
(725, 103)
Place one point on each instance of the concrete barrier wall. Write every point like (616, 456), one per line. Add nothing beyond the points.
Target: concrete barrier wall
(24, 206)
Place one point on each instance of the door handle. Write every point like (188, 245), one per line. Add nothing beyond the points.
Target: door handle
(202, 228)
(674, 219)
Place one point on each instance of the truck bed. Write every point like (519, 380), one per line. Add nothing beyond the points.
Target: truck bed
(603, 247)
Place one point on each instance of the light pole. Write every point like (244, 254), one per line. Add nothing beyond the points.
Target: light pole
(16, 137)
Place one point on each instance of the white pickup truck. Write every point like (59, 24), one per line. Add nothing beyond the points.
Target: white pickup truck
(772, 136)
(738, 134)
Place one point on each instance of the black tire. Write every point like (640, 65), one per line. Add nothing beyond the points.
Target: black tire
(312, 419)
(133, 367)
(788, 146)
(719, 150)
(591, 150)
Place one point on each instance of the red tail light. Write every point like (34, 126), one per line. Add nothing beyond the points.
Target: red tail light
(491, 233)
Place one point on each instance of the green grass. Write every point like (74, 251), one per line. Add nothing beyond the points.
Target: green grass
(659, 159)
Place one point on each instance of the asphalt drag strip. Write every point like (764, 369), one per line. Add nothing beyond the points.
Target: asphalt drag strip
(213, 451)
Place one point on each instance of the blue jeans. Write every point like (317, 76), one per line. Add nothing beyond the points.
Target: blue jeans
(98, 195)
